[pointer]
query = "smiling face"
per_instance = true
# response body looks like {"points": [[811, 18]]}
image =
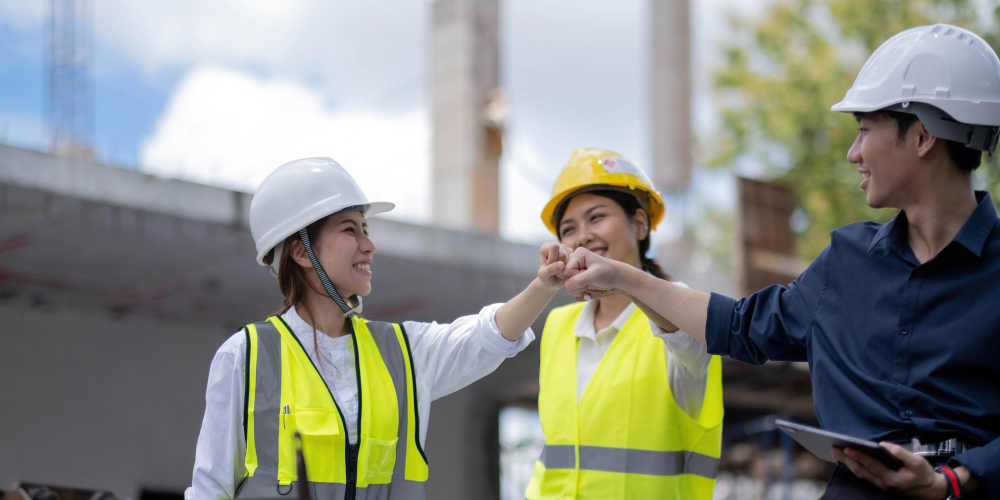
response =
{"points": [[601, 225], [344, 250], [884, 162]]}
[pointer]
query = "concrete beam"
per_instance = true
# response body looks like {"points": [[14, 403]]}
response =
{"points": [[91, 181], [110, 186]]}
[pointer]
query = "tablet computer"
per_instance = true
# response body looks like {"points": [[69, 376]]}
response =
{"points": [[819, 442]]}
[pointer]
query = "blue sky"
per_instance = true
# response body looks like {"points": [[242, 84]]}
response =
{"points": [[222, 92]]}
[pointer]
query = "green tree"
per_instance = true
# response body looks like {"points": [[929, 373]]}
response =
{"points": [[788, 67]]}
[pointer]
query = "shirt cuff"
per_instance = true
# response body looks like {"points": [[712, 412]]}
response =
{"points": [[718, 325], [493, 340], [983, 466]]}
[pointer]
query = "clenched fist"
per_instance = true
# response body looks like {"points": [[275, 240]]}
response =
{"points": [[590, 276], [553, 264]]}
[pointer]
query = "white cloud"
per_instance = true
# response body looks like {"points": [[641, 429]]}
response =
{"points": [[230, 128], [355, 51]]}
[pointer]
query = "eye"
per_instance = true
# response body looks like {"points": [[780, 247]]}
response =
{"points": [[349, 229], [596, 217], [566, 231]]}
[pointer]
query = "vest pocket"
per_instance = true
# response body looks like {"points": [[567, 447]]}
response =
{"points": [[381, 459], [321, 439]]}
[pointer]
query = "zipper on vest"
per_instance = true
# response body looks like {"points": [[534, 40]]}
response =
{"points": [[352, 471], [351, 465], [352, 450]]}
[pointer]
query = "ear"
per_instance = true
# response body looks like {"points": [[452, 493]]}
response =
{"points": [[640, 223], [925, 141], [298, 252]]}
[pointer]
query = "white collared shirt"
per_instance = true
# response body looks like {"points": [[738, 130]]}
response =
{"points": [[446, 358], [687, 359]]}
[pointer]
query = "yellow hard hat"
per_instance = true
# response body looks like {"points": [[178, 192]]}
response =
{"points": [[595, 169]]}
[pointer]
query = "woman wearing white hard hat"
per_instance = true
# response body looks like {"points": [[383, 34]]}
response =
{"points": [[358, 392]]}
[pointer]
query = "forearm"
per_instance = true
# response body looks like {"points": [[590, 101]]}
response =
{"points": [[680, 307], [654, 316], [969, 483], [517, 315]]}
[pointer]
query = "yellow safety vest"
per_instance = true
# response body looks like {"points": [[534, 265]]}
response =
{"points": [[626, 438], [286, 393]]}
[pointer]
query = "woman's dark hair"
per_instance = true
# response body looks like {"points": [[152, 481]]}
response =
{"points": [[292, 279], [630, 204]]}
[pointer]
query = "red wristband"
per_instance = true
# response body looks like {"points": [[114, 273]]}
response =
{"points": [[951, 479]]}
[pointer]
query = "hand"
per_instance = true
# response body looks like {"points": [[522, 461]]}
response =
{"points": [[553, 263], [915, 479], [590, 276]]}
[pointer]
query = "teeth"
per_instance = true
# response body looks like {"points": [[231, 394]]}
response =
{"points": [[363, 267]]}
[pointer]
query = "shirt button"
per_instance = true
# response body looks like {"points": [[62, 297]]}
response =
{"points": [[919, 273], [905, 331], [909, 413]]}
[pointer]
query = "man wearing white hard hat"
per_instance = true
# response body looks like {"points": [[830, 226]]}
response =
{"points": [[899, 321], [353, 395]]}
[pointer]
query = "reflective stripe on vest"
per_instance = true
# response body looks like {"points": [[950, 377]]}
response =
{"points": [[624, 437], [656, 463], [286, 392]]}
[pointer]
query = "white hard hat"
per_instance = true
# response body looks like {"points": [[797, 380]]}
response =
{"points": [[947, 76], [299, 193]]}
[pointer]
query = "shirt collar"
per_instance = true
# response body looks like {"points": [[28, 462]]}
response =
{"points": [[978, 227], [585, 322], [972, 236], [304, 332], [892, 231]]}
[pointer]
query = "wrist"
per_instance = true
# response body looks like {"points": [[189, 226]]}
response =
{"points": [[629, 277], [947, 476], [541, 287], [939, 488]]}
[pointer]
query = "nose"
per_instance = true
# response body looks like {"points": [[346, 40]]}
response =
{"points": [[854, 153], [367, 245]]}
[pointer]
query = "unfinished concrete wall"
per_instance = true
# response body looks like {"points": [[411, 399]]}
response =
{"points": [[94, 401]]}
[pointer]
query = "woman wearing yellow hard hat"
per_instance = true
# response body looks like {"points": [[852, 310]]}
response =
{"points": [[354, 393], [630, 406]]}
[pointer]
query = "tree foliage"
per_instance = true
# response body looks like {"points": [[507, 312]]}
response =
{"points": [[787, 68]]}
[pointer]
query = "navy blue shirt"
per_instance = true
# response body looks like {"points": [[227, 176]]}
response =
{"points": [[896, 349]]}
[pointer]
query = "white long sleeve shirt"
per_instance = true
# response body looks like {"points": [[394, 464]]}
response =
{"points": [[446, 358], [687, 359]]}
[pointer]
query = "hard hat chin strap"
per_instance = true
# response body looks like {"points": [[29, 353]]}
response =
{"points": [[349, 312]]}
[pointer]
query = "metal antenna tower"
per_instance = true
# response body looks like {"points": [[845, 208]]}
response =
{"points": [[69, 103]]}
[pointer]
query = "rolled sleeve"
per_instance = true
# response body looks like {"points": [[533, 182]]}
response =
{"points": [[984, 464], [770, 324], [718, 326], [450, 356], [494, 341]]}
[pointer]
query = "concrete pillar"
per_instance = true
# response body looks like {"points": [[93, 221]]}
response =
{"points": [[467, 114], [671, 94]]}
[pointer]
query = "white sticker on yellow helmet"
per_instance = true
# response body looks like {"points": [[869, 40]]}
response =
{"points": [[620, 166]]}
